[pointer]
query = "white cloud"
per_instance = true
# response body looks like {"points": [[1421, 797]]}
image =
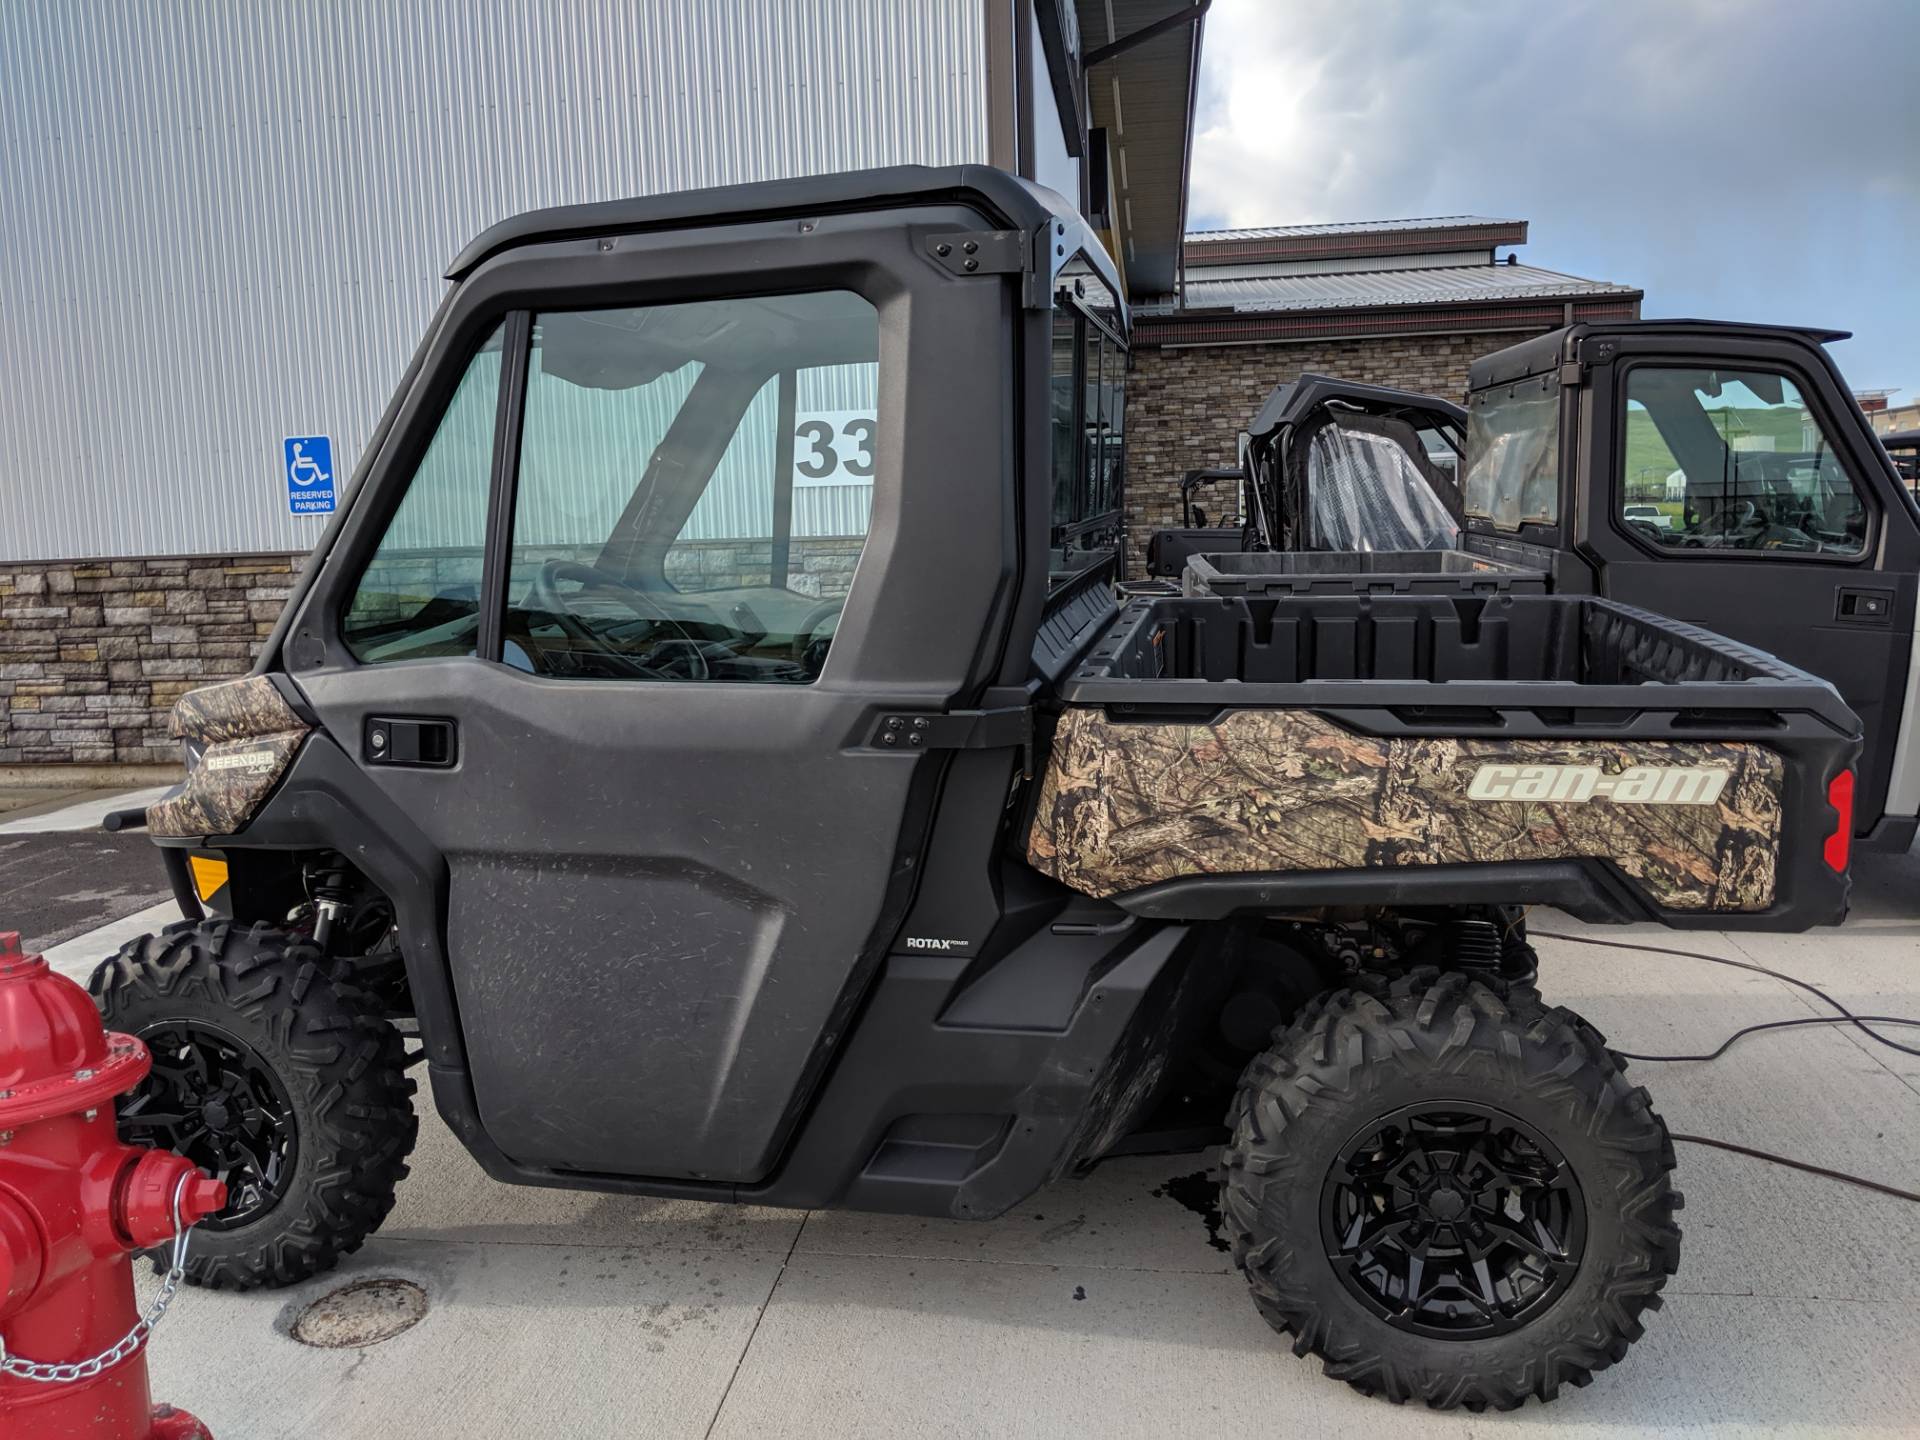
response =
{"points": [[1747, 161]]}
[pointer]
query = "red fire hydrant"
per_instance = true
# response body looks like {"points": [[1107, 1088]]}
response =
{"points": [[74, 1204]]}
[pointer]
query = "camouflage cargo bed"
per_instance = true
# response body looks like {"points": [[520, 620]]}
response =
{"points": [[1374, 749]]}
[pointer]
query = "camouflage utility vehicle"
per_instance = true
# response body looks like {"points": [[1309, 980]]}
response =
{"points": [[711, 738]]}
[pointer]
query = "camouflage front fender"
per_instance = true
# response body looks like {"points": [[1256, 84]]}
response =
{"points": [[249, 734]]}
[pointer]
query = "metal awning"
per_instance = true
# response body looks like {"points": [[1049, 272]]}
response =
{"points": [[1144, 97]]}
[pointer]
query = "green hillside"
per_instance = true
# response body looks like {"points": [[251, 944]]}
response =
{"points": [[1649, 461]]}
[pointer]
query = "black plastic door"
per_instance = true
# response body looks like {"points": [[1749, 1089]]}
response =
{"points": [[667, 877], [1801, 548]]}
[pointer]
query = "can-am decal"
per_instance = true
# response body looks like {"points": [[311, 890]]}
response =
{"points": [[1636, 785]]}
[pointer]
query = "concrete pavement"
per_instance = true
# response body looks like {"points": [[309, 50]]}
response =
{"points": [[1100, 1307]]}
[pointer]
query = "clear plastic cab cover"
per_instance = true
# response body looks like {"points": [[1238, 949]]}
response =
{"points": [[1365, 492]]}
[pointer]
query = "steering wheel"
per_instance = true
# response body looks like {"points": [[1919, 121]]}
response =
{"points": [[544, 592], [812, 621], [1780, 536], [1723, 528]]}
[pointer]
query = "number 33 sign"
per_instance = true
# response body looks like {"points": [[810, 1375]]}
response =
{"points": [[833, 447]]}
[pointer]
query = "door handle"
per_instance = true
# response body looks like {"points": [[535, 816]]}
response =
{"points": [[1864, 606], [414, 740]]}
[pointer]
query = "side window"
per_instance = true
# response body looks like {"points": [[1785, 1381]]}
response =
{"points": [[1733, 460], [1441, 454], [694, 488], [1066, 345], [1087, 396], [419, 596], [1093, 424], [1114, 403]]}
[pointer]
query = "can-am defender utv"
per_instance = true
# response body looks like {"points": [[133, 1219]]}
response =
{"points": [[711, 729]]}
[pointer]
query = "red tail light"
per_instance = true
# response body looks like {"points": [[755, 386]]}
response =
{"points": [[1840, 842]]}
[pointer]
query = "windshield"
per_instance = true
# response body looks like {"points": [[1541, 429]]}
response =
{"points": [[1513, 454]]}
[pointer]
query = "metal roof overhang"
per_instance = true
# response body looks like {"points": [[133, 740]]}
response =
{"points": [[1358, 241], [1144, 96], [1236, 327]]}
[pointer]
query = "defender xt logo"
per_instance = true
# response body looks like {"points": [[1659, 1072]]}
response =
{"points": [[255, 760], [1637, 785]]}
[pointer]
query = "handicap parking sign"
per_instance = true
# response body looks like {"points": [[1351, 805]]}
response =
{"points": [[309, 466]]}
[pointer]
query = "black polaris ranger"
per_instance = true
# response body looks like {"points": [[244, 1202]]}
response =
{"points": [[710, 735]]}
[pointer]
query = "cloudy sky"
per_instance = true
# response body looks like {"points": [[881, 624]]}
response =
{"points": [[1741, 161]]}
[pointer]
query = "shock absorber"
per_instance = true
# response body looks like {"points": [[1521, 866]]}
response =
{"points": [[331, 894], [1473, 945], [1492, 942]]}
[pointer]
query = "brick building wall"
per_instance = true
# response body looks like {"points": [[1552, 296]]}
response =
{"points": [[1186, 407]]}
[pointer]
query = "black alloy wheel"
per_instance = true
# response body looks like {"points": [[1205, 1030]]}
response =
{"points": [[1453, 1219], [212, 1098]]}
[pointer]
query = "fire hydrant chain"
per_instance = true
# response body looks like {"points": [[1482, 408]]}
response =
{"points": [[75, 1370]]}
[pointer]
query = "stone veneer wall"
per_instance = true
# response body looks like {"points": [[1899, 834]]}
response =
{"points": [[93, 654], [1187, 406], [816, 566]]}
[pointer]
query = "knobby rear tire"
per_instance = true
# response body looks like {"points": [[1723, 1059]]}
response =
{"points": [[1355, 1055]]}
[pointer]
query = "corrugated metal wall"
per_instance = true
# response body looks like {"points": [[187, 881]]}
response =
{"points": [[223, 224]]}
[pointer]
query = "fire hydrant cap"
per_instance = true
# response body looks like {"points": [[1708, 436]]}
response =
{"points": [[55, 1058], [144, 1203]]}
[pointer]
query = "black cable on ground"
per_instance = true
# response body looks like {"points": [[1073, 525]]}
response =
{"points": [[1845, 1017], [1773, 1159], [1746, 1030]]}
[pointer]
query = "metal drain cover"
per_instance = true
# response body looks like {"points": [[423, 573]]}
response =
{"points": [[363, 1313]]}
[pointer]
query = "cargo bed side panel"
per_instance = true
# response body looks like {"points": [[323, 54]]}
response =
{"points": [[1125, 805]]}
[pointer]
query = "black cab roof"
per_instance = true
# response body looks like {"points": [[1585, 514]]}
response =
{"points": [[1293, 401], [1545, 352], [1009, 201]]}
